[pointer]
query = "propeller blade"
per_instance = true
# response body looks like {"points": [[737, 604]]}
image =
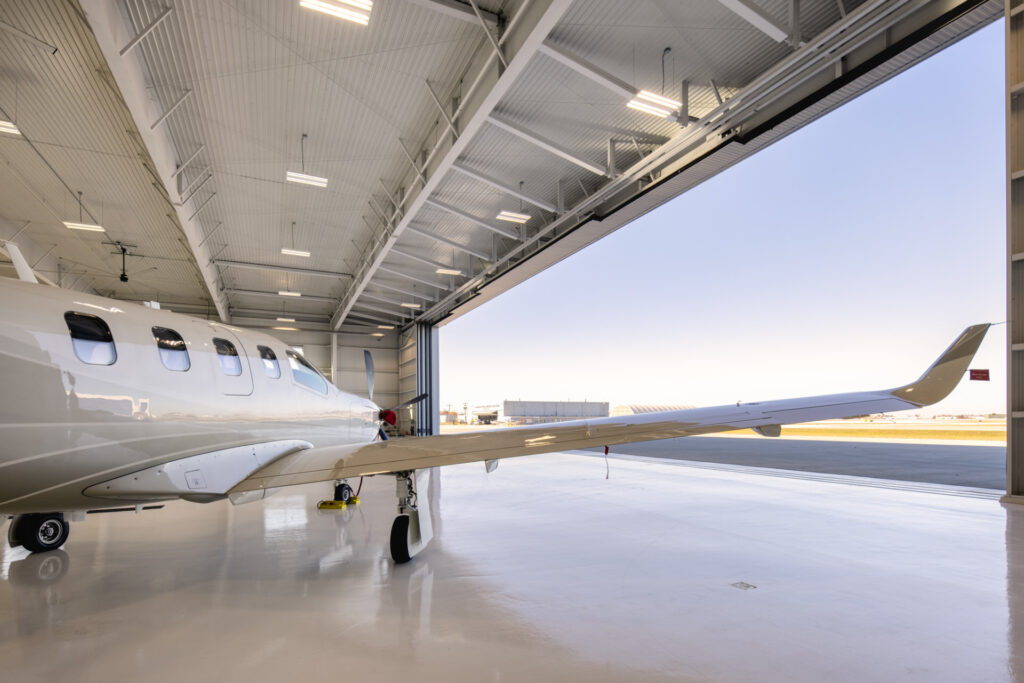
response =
{"points": [[411, 401], [383, 434], [368, 359]]}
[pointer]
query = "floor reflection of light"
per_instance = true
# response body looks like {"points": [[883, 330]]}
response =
{"points": [[283, 513], [10, 555]]}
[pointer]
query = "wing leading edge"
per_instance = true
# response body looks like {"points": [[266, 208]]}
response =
{"points": [[324, 464]]}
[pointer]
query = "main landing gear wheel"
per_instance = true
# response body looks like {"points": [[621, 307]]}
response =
{"points": [[400, 540], [39, 533], [343, 493]]}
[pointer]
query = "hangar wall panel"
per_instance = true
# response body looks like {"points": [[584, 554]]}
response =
{"points": [[1015, 249]]}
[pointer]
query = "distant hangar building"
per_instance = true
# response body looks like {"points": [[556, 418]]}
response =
{"points": [[538, 412]]}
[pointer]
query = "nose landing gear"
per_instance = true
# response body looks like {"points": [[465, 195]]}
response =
{"points": [[38, 532]]}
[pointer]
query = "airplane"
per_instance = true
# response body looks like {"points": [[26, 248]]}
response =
{"points": [[109, 404]]}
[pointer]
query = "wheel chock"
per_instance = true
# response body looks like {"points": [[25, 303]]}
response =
{"points": [[354, 500], [331, 505]]}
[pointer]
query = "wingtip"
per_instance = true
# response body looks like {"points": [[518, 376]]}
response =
{"points": [[944, 374]]}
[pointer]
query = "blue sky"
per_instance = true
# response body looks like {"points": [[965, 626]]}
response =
{"points": [[846, 256]]}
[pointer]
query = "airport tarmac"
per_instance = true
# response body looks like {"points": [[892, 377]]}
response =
{"points": [[978, 464], [542, 570]]}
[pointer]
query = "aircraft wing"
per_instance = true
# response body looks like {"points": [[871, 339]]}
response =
{"points": [[324, 464]]}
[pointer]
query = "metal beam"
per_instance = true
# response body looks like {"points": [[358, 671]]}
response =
{"points": [[14, 30], [383, 299], [545, 144], [108, 26], [529, 27], [407, 292], [457, 10], [370, 316], [304, 297], [191, 194], [202, 205], [398, 273], [414, 257], [171, 110], [490, 36], [188, 161], [284, 269], [498, 185], [440, 108], [145, 32], [504, 232], [264, 313], [758, 18], [585, 68], [451, 243], [401, 315]]}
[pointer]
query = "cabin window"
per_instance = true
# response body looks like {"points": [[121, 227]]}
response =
{"points": [[91, 339], [270, 364], [305, 374], [173, 353], [230, 363]]}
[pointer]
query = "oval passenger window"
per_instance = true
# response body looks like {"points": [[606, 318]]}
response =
{"points": [[173, 353], [230, 363], [269, 360], [91, 338]]}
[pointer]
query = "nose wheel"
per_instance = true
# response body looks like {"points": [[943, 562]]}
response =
{"points": [[39, 533]]}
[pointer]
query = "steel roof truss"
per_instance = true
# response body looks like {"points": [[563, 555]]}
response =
{"points": [[490, 36], [420, 295], [471, 218], [398, 273], [275, 295], [545, 144], [458, 10], [414, 257], [145, 32], [283, 269], [451, 243], [758, 18], [498, 185]]}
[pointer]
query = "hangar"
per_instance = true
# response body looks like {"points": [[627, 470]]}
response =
{"points": [[354, 182]]}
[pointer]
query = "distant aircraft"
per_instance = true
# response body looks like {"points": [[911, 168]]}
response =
{"points": [[108, 404]]}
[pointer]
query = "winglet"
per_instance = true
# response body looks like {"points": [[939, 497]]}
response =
{"points": [[945, 373]]}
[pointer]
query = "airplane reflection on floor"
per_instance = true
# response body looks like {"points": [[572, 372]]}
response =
{"points": [[544, 570]]}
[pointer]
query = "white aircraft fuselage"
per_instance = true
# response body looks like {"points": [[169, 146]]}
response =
{"points": [[67, 426]]}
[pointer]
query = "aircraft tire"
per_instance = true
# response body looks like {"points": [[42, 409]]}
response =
{"points": [[400, 540], [343, 492], [39, 533]]}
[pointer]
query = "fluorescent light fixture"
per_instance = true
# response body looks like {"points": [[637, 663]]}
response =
{"points": [[85, 226], [295, 252], [448, 271], [9, 128], [410, 305], [650, 103], [287, 329], [286, 320], [296, 177], [513, 217], [350, 10], [376, 334], [385, 327], [284, 293]]}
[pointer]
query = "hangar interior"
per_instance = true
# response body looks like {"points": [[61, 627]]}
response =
{"points": [[355, 182]]}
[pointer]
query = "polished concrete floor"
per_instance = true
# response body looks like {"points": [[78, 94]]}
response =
{"points": [[978, 464], [545, 570]]}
